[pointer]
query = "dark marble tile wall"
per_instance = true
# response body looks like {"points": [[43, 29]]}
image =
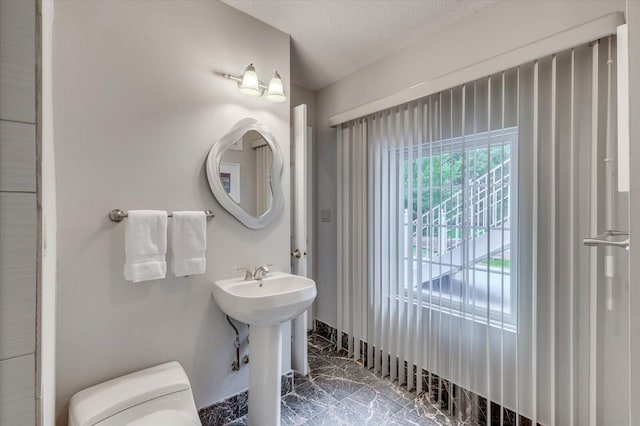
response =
{"points": [[463, 405], [237, 406], [325, 330]]}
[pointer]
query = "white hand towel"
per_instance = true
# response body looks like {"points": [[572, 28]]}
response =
{"points": [[188, 243], [145, 245]]}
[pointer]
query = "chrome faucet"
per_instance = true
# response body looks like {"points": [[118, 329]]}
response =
{"points": [[258, 274], [248, 276], [261, 272]]}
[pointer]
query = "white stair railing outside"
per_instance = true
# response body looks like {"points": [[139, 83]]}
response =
{"points": [[487, 207]]}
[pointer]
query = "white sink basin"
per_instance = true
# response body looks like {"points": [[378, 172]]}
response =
{"points": [[265, 304], [277, 298]]}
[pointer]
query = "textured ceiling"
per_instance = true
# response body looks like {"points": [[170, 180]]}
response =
{"points": [[333, 38]]}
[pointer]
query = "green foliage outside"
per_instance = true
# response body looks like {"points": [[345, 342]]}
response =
{"points": [[442, 175]]}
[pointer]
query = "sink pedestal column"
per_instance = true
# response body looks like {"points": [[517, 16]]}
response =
{"points": [[265, 370], [299, 355]]}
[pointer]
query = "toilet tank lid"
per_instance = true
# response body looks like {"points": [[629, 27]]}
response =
{"points": [[98, 402]]}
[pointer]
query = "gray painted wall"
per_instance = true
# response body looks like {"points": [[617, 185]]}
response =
{"points": [[137, 107]]}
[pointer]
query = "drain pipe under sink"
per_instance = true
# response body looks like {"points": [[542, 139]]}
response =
{"points": [[235, 365]]}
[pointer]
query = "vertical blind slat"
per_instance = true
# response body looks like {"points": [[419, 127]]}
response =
{"points": [[534, 253], [517, 244], [572, 244], [378, 245], [399, 125], [593, 255], [418, 343], [441, 243], [381, 242], [354, 237], [350, 251], [552, 234], [429, 341], [452, 230], [340, 215], [407, 124], [488, 225], [465, 246], [371, 225], [393, 237], [502, 94], [473, 221], [384, 264]]}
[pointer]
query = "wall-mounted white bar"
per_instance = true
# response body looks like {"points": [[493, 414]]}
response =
{"points": [[609, 170], [299, 354], [592, 30], [623, 108], [118, 215]]}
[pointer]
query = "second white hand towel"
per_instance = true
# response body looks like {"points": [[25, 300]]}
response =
{"points": [[188, 243], [145, 245]]}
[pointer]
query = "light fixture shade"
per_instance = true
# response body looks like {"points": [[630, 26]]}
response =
{"points": [[250, 84], [275, 92]]}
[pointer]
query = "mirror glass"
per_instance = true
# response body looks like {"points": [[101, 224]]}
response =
{"points": [[244, 169], [245, 173]]}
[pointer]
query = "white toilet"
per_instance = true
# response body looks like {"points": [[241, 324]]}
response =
{"points": [[157, 396]]}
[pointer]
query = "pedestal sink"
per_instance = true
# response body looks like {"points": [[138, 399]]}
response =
{"points": [[265, 304]]}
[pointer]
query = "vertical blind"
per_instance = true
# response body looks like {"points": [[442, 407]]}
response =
{"points": [[460, 216]]}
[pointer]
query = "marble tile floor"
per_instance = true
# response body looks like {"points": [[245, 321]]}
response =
{"points": [[340, 391]]}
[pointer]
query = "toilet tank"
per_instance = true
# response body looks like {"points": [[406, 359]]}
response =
{"points": [[163, 388]]}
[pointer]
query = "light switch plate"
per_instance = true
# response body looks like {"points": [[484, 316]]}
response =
{"points": [[325, 216]]}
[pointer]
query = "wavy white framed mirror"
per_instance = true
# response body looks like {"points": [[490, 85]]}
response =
{"points": [[244, 169]]}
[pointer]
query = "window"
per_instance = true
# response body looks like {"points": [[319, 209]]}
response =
{"points": [[460, 223]]}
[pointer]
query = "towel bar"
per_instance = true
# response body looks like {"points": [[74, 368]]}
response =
{"points": [[118, 215]]}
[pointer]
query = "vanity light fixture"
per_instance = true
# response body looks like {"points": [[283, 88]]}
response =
{"points": [[275, 91], [249, 84]]}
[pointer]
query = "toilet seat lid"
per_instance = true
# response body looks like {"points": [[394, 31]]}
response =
{"points": [[166, 418]]}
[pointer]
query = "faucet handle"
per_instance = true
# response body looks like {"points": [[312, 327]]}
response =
{"points": [[261, 271], [248, 275]]}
